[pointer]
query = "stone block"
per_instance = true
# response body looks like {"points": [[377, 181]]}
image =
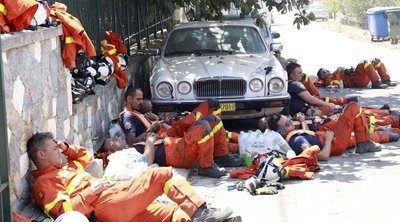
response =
{"points": [[23, 164], [18, 95], [96, 168]]}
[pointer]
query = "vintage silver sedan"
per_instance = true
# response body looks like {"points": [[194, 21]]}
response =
{"points": [[228, 61]]}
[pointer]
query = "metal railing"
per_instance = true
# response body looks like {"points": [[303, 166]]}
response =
{"points": [[126, 17], [354, 22]]}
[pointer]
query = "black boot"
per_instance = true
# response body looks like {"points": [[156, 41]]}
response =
{"points": [[213, 171], [389, 83], [352, 99], [368, 146], [229, 160], [385, 106], [378, 85], [211, 214]]}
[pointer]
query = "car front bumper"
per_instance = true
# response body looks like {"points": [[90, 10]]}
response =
{"points": [[246, 108]]}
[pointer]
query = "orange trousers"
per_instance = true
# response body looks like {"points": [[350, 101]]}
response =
{"points": [[133, 200], [365, 72], [195, 146]]}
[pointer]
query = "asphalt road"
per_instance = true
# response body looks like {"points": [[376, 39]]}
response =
{"points": [[350, 187]]}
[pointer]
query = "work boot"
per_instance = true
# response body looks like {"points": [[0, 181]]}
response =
{"points": [[389, 83], [378, 85], [352, 99], [229, 160], [213, 171], [385, 106], [368, 146], [205, 214]]}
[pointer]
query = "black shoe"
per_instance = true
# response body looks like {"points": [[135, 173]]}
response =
{"points": [[389, 83], [368, 146], [385, 106], [378, 85], [229, 160], [213, 171], [352, 99], [204, 214]]}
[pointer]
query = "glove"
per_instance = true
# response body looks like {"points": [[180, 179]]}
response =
{"points": [[266, 191]]}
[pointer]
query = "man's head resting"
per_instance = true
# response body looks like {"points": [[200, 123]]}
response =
{"points": [[323, 73], [43, 150]]}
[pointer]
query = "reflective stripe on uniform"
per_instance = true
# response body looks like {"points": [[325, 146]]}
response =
{"points": [[112, 51], [228, 136], [287, 169], [79, 165], [86, 157], [177, 214], [205, 138], [371, 124], [198, 115], [52, 12], [216, 128], [335, 82], [167, 185], [306, 78], [366, 63], [3, 9], [378, 65], [66, 205], [69, 40], [119, 65], [74, 182], [327, 99], [359, 113], [216, 112], [48, 220]]}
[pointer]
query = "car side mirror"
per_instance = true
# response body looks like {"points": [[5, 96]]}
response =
{"points": [[275, 35], [276, 46]]}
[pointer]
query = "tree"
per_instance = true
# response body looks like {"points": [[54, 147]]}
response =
{"points": [[213, 9]]}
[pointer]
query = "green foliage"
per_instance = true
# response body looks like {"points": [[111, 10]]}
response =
{"points": [[197, 10]]}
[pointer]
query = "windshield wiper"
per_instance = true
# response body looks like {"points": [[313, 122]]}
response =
{"points": [[201, 51], [178, 53]]}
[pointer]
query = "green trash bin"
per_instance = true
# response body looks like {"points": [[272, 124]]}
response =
{"points": [[393, 16]]}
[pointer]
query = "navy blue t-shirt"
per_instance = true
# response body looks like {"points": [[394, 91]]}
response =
{"points": [[159, 151], [297, 104], [301, 141], [131, 124]]}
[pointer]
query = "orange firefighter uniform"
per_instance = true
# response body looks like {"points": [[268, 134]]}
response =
{"points": [[115, 39], [110, 51], [58, 190], [74, 35], [18, 13], [364, 73], [4, 28]]}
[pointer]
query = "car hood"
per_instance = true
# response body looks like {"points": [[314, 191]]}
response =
{"points": [[211, 66]]}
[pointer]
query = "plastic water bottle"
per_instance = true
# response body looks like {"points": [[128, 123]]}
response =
{"points": [[341, 87]]}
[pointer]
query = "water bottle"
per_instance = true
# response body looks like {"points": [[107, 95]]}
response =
{"points": [[341, 87]]}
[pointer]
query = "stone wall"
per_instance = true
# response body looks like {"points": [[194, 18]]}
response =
{"points": [[38, 98]]}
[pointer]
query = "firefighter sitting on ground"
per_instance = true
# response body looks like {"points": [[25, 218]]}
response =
{"points": [[373, 71], [60, 188]]}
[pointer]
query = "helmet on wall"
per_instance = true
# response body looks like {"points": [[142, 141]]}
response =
{"points": [[122, 61], [40, 16], [270, 170]]}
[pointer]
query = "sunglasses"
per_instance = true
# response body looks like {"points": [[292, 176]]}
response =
{"points": [[288, 120]]}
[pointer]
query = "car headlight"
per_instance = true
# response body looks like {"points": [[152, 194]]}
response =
{"points": [[276, 85], [184, 88], [164, 89], [256, 85]]}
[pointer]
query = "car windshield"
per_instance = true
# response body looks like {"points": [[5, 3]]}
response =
{"points": [[214, 39]]}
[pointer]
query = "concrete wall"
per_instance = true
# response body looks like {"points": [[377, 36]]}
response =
{"points": [[38, 98]]}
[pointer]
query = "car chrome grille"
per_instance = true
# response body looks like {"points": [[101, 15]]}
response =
{"points": [[219, 88]]}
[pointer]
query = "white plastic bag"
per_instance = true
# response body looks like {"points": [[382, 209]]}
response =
{"points": [[256, 142], [125, 165]]}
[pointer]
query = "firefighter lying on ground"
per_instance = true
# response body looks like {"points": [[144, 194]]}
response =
{"points": [[335, 136], [202, 127], [60, 188], [373, 71]]}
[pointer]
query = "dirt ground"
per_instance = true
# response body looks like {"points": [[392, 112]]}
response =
{"points": [[355, 33]]}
